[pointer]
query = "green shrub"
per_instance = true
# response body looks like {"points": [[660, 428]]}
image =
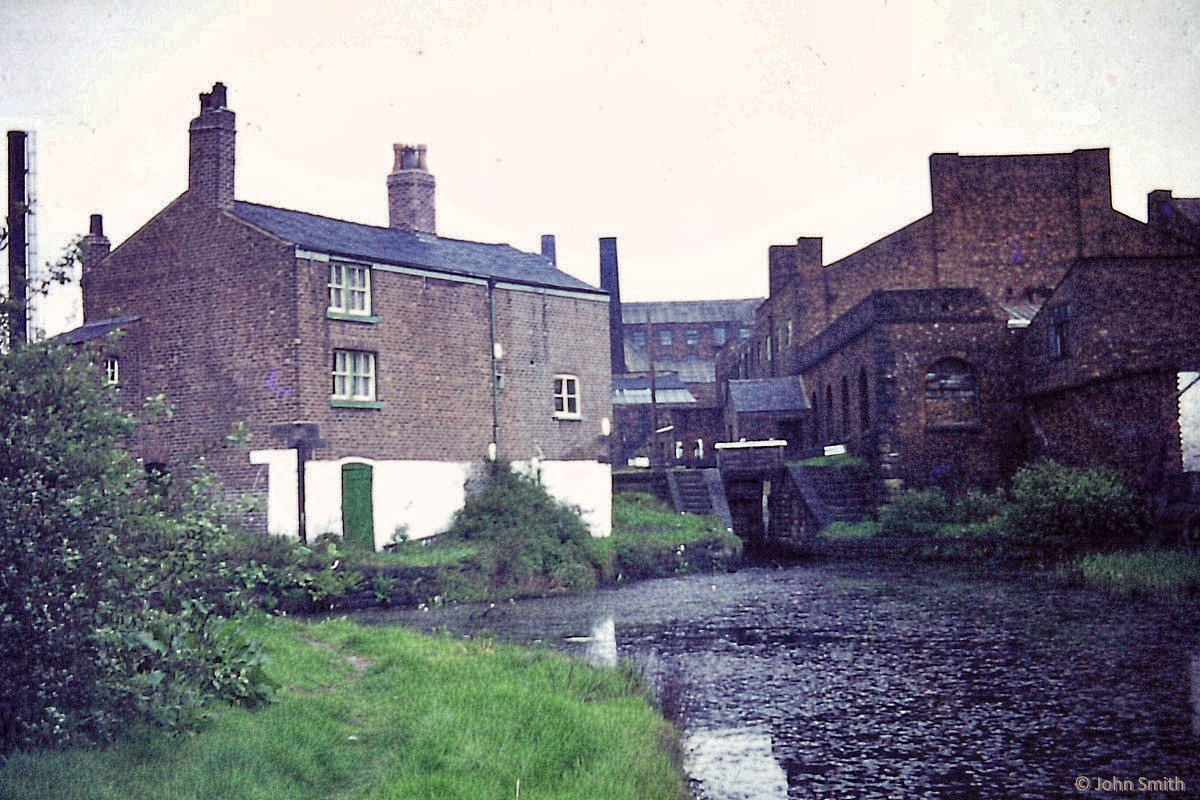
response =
{"points": [[528, 537], [976, 507], [914, 513], [1066, 508]]}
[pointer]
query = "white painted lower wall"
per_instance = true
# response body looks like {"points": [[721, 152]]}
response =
{"points": [[587, 484], [416, 497], [1189, 419]]}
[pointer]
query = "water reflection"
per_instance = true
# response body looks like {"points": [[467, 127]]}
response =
{"points": [[734, 764], [601, 649], [855, 684], [1196, 695]]}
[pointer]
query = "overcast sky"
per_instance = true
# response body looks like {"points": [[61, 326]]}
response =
{"points": [[698, 133]]}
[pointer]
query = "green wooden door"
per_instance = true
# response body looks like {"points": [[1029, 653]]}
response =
{"points": [[358, 506]]}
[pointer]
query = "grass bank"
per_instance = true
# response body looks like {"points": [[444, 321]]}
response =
{"points": [[1148, 571], [1160, 573], [388, 713], [522, 555], [649, 540]]}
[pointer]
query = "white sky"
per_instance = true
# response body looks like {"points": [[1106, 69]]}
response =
{"points": [[698, 133]]}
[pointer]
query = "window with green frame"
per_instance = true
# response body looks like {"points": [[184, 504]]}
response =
{"points": [[353, 375], [349, 288]]}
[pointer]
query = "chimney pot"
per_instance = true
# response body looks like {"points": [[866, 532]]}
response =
{"points": [[211, 151], [411, 191]]}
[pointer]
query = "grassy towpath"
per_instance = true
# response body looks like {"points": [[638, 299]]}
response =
{"points": [[373, 712]]}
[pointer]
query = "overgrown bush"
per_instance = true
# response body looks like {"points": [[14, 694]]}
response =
{"points": [[1066, 508], [914, 513], [280, 573], [103, 618], [529, 539], [977, 507]]}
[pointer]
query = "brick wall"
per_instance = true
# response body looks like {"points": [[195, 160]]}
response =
{"points": [[216, 336], [433, 367], [1122, 316], [1128, 423], [1110, 393]]}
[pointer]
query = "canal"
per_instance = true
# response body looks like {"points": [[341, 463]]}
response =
{"points": [[841, 682]]}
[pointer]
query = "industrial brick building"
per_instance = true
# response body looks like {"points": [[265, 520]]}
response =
{"points": [[667, 404], [1022, 317], [388, 363]]}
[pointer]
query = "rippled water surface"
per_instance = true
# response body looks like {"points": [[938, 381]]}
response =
{"points": [[827, 682]]}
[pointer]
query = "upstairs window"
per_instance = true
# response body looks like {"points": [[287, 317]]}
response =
{"points": [[112, 371], [566, 397], [665, 337], [349, 288], [744, 333], [720, 335], [692, 336], [353, 375], [951, 395], [1060, 340], [638, 339]]}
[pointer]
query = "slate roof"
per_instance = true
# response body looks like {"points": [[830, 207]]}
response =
{"points": [[696, 370], [768, 394], [684, 311], [93, 330], [1020, 314], [409, 249], [662, 380], [1188, 207], [632, 389]]}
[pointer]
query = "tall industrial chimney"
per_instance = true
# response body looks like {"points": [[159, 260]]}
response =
{"points": [[18, 233], [610, 282]]}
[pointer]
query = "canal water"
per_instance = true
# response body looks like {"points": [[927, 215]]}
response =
{"points": [[841, 682]]}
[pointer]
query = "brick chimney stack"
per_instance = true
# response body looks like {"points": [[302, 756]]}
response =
{"points": [[211, 156], [93, 249], [410, 191]]}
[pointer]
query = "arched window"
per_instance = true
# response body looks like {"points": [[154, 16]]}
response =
{"points": [[816, 420], [951, 395], [864, 409], [830, 420], [845, 407]]}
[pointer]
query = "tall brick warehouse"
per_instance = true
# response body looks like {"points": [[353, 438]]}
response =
{"points": [[1022, 317], [389, 362]]}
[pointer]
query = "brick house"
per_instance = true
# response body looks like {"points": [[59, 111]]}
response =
{"points": [[927, 354], [397, 360]]}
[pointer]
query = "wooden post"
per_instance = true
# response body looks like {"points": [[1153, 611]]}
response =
{"points": [[304, 438]]}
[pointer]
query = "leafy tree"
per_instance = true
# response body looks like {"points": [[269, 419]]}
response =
{"points": [[104, 614]]}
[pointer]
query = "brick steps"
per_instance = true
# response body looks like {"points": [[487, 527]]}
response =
{"points": [[835, 494], [699, 491]]}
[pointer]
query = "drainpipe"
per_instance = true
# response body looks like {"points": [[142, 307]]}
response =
{"points": [[496, 353]]}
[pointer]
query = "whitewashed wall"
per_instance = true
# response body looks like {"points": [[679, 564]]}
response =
{"points": [[420, 496], [1189, 420]]}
